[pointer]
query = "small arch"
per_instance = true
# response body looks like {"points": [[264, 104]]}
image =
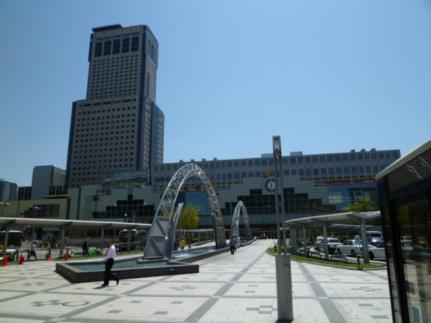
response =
{"points": [[234, 228], [162, 233]]}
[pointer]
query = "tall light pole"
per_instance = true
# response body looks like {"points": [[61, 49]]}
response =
{"points": [[282, 261], [125, 217], [278, 174]]}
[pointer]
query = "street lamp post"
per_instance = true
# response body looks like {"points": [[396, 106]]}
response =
{"points": [[282, 261], [278, 174], [125, 217]]}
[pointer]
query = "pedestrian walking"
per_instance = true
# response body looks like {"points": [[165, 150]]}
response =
{"points": [[85, 248], [109, 262], [232, 248]]}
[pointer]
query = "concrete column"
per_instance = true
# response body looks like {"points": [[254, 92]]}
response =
{"points": [[292, 237], [102, 237], [304, 234], [364, 242], [6, 239], [129, 238], [32, 238], [63, 232], [325, 239], [284, 288]]}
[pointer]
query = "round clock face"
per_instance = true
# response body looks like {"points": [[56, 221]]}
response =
{"points": [[270, 185]]}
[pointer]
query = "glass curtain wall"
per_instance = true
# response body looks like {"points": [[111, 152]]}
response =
{"points": [[405, 201]]}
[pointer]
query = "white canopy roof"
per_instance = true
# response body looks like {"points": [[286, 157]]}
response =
{"points": [[344, 217], [73, 223]]}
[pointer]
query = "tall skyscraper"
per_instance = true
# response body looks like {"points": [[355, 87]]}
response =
{"points": [[118, 127]]}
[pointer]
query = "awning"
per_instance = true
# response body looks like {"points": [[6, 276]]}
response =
{"points": [[38, 222], [339, 218]]}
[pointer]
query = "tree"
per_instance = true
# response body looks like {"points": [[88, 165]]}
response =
{"points": [[189, 218], [361, 206]]}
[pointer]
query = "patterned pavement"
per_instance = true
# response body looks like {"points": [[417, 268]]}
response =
{"points": [[238, 288]]}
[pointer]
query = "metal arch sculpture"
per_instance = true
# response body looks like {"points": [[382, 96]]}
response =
{"points": [[161, 239], [234, 228]]}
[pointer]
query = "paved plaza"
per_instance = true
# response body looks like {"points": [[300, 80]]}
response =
{"points": [[238, 288]]}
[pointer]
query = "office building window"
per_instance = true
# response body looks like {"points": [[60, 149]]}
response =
{"points": [[126, 45], [98, 50], [107, 48], [117, 44], [135, 44]]}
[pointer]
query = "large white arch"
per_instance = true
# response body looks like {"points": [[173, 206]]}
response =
{"points": [[162, 234], [234, 228]]}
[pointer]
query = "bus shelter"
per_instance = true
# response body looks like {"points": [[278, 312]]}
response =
{"points": [[9, 224], [361, 219]]}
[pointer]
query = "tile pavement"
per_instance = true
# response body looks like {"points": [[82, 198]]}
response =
{"points": [[238, 288]]}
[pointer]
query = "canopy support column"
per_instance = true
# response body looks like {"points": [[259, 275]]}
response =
{"points": [[102, 237], [304, 234], [364, 242], [325, 239], [63, 233], [129, 238], [6, 240]]}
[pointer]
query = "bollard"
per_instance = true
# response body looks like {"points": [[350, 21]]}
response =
{"points": [[284, 288], [359, 262]]}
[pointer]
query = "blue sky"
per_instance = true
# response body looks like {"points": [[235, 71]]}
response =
{"points": [[328, 76]]}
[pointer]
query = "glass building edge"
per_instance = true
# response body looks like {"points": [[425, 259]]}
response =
{"points": [[405, 200]]}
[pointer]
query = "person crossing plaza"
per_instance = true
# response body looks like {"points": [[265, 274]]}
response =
{"points": [[109, 262]]}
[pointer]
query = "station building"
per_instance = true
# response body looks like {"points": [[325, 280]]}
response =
{"points": [[313, 184]]}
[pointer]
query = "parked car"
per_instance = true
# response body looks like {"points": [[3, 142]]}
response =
{"points": [[354, 248], [374, 237], [332, 244]]}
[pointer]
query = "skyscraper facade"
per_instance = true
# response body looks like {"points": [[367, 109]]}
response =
{"points": [[118, 127]]}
